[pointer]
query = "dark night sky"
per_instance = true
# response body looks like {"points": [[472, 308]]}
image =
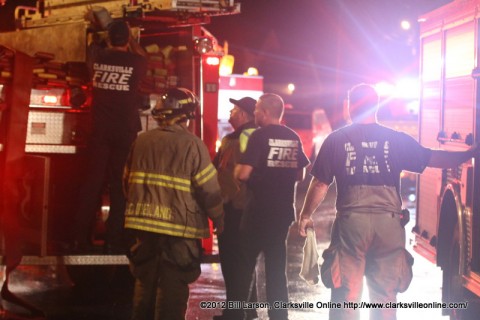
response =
{"points": [[323, 46]]}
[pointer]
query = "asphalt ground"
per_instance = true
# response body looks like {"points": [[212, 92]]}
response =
{"points": [[104, 292]]}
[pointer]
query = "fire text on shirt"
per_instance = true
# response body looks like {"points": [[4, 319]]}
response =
{"points": [[282, 153], [111, 77]]}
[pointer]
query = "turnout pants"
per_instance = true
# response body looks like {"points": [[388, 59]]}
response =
{"points": [[370, 245], [163, 267]]}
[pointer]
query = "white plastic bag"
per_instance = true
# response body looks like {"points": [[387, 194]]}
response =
{"points": [[310, 270]]}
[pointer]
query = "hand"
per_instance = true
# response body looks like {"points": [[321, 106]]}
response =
{"points": [[89, 16], [303, 224], [99, 17], [218, 225]]}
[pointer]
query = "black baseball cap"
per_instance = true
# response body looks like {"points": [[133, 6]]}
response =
{"points": [[118, 33], [247, 104]]}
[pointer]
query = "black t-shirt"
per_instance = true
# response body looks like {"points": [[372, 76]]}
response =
{"points": [[276, 154], [368, 155], [116, 79]]}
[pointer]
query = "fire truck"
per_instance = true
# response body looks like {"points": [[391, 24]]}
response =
{"points": [[312, 125], [45, 106], [447, 225], [235, 86]]}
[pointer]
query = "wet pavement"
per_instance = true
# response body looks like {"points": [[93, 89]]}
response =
{"points": [[104, 292]]}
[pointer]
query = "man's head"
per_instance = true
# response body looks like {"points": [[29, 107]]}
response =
{"points": [[269, 109], [175, 106], [118, 33], [242, 112], [363, 103]]}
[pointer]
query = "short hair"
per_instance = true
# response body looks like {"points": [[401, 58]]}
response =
{"points": [[274, 103], [362, 101], [118, 33]]}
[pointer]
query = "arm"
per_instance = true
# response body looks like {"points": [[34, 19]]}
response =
{"points": [[207, 189], [242, 172], [301, 174], [450, 159], [135, 47], [315, 195], [209, 196]]}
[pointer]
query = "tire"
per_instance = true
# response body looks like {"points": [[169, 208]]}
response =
{"points": [[453, 290]]}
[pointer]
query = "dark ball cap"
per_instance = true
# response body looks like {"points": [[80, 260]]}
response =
{"points": [[118, 33], [247, 104]]}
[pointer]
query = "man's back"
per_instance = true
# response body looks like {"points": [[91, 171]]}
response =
{"points": [[276, 154], [116, 79], [172, 185], [366, 161], [229, 154]]}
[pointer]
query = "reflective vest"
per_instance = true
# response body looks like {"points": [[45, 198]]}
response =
{"points": [[243, 140], [233, 145], [171, 184]]}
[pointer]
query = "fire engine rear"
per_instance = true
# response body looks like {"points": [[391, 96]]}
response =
{"points": [[447, 225], [45, 106]]}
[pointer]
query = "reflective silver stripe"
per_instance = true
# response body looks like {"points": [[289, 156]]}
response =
{"points": [[165, 228], [205, 175], [160, 180]]}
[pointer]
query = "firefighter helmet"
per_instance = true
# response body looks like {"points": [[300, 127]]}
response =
{"points": [[175, 103]]}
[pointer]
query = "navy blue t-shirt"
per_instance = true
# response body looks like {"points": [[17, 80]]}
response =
{"points": [[276, 154], [368, 155], [116, 80]]}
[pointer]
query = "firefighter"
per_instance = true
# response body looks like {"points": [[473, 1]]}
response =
{"points": [[172, 189], [271, 166], [116, 75], [233, 145], [368, 237]]}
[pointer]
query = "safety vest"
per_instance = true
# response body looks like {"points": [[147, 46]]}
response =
{"points": [[233, 145], [171, 184], [244, 136]]}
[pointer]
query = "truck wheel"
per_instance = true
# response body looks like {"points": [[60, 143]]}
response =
{"points": [[453, 290]]}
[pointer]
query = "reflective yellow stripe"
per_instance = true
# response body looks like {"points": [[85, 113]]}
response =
{"points": [[161, 184], [165, 228], [160, 180], [160, 176], [244, 136], [185, 101], [205, 175]]}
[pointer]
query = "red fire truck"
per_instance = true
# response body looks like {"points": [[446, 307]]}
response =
{"points": [[44, 105], [235, 86], [447, 225], [312, 126]]}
